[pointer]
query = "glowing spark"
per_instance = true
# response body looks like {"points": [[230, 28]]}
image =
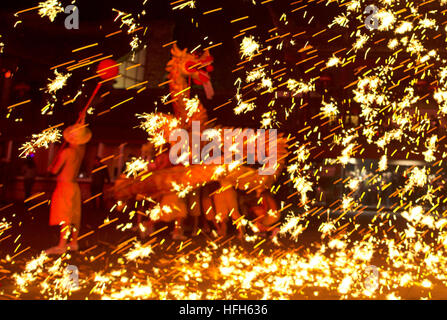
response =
{"points": [[249, 47], [50, 9], [139, 252], [192, 106], [135, 166], [58, 83], [40, 140], [244, 107], [190, 3]]}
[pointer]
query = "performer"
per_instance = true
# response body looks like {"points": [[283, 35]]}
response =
{"points": [[226, 204], [177, 211], [264, 210], [161, 161], [66, 200], [208, 205], [194, 210]]}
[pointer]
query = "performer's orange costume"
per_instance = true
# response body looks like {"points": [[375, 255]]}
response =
{"points": [[66, 200]]}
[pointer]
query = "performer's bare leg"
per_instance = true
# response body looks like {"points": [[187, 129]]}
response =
{"points": [[194, 209], [208, 210], [179, 213], [208, 215], [65, 233], [73, 245], [226, 204], [221, 213], [230, 196], [271, 217]]}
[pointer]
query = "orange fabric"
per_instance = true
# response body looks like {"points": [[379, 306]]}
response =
{"points": [[177, 205], [267, 204], [66, 204], [66, 199]]}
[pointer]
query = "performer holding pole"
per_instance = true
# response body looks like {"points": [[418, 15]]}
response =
{"points": [[66, 200], [65, 208]]}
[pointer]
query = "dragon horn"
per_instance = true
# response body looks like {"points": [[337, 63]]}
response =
{"points": [[175, 51], [205, 54]]}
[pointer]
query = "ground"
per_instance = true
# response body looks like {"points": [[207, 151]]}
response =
{"points": [[117, 264]]}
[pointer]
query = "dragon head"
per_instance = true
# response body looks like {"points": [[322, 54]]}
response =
{"points": [[191, 66]]}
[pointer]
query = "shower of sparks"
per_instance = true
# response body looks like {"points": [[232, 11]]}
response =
{"points": [[244, 107], [156, 126], [235, 274], [299, 87], [135, 43], [40, 140], [397, 71], [50, 9], [190, 3], [192, 106], [135, 166], [139, 252], [249, 47], [132, 25], [333, 62], [4, 225], [329, 109], [58, 82], [181, 190], [126, 20]]}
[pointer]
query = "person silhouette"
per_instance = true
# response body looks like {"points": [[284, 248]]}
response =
{"points": [[65, 208]]}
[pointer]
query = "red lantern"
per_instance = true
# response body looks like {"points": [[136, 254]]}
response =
{"points": [[108, 69]]}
